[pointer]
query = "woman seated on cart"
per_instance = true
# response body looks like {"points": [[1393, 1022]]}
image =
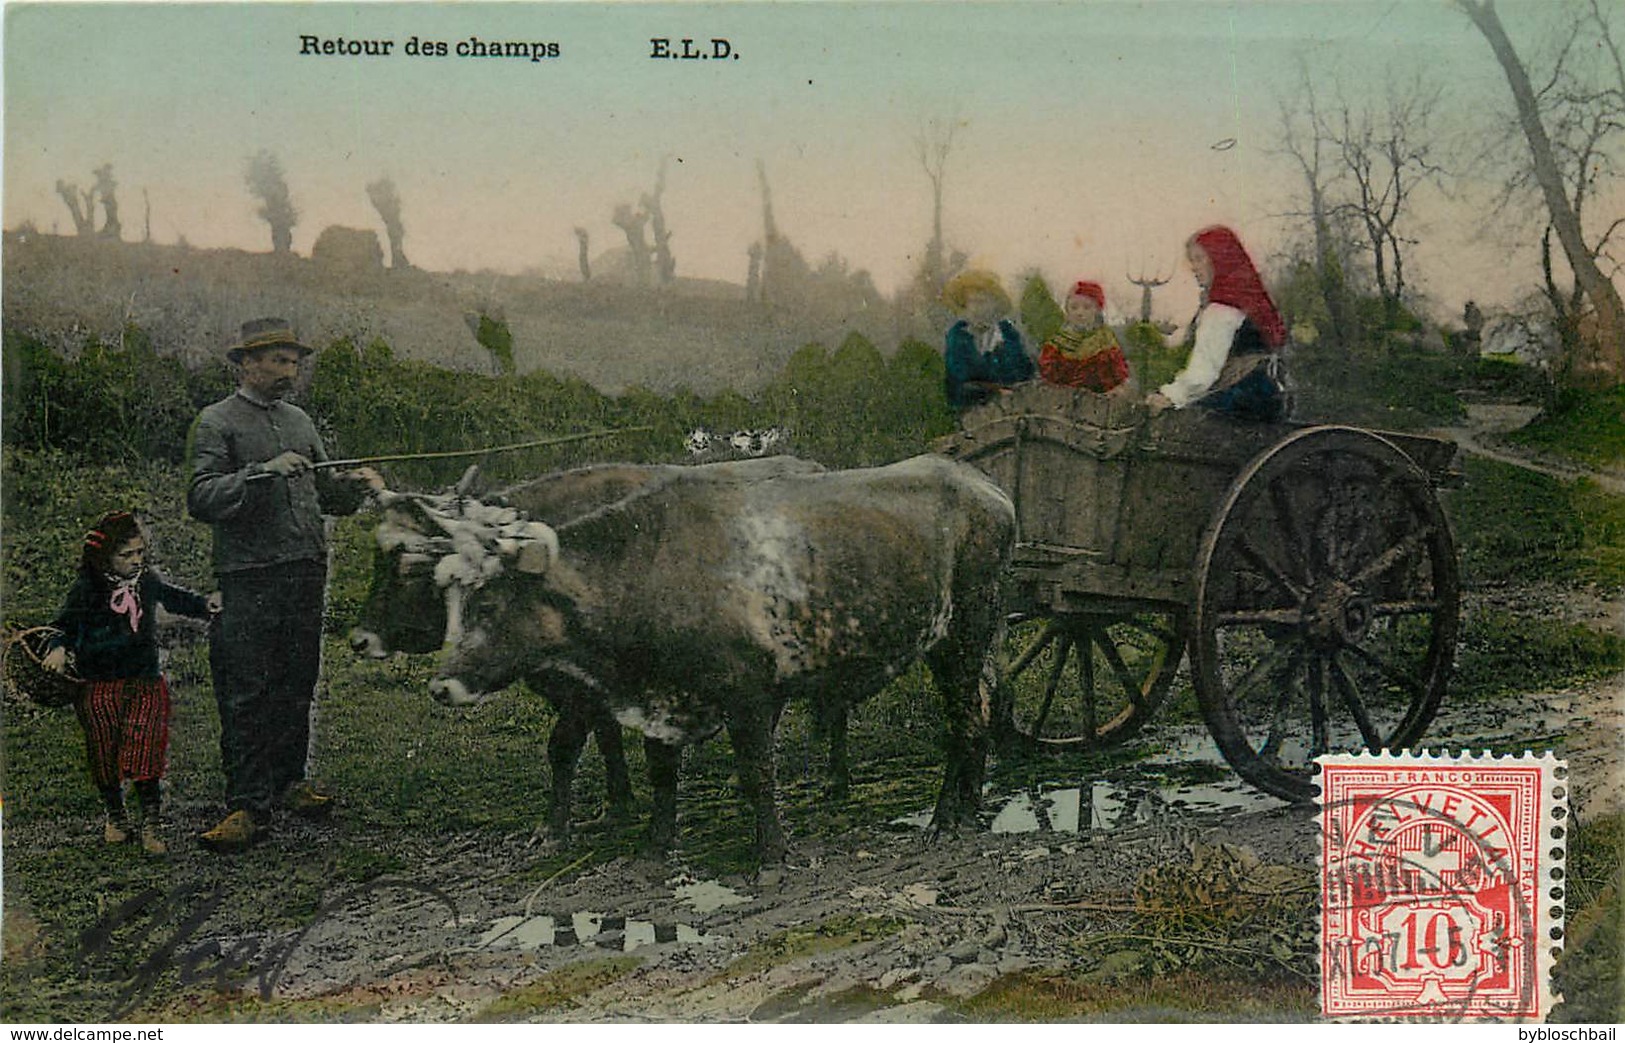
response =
{"points": [[1235, 361], [985, 353], [1084, 352]]}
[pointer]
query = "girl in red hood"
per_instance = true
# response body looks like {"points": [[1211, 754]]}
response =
{"points": [[108, 634], [1234, 365], [1084, 353]]}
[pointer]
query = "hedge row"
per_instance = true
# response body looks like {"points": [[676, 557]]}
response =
{"points": [[125, 402]]}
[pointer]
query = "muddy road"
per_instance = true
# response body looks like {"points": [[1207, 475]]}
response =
{"points": [[880, 924]]}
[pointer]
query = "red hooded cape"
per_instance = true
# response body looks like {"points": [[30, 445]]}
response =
{"points": [[1236, 283]]}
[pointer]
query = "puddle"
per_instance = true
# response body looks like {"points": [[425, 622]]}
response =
{"points": [[706, 896], [1140, 794], [585, 928], [1133, 799], [611, 932]]}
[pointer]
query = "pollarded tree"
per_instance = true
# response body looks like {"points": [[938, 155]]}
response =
{"points": [[107, 188], [81, 204], [387, 201], [665, 265], [267, 184]]}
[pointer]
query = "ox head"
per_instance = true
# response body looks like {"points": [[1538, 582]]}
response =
{"points": [[430, 551], [405, 609], [502, 616]]}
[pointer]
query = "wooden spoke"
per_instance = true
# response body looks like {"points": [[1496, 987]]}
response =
{"points": [[1410, 682], [1054, 683], [1351, 700], [1260, 616], [1131, 686], [1086, 681], [1392, 556], [1271, 749], [1404, 608], [1050, 633], [1317, 706], [1294, 543], [1270, 569], [1260, 671]]}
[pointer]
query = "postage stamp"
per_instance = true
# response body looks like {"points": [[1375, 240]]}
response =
{"points": [[1441, 885]]}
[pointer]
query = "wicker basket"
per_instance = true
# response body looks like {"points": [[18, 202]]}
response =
{"points": [[23, 671]]}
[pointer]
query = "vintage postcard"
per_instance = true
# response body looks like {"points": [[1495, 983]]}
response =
{"points": [[862, 512]]}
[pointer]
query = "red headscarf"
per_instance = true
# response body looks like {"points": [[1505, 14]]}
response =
{"points": [[1091, 290], [1236, 282]]}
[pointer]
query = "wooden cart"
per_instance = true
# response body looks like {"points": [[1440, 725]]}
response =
{"points": [[1308, 570]]}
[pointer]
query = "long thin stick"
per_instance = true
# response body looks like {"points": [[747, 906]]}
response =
{"points": [[448, 454]]}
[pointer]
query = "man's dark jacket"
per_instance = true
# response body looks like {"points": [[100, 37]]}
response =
{"points": [[271, 520]]}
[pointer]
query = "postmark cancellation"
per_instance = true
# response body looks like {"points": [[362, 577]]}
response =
{"points": [[1441, 883]]}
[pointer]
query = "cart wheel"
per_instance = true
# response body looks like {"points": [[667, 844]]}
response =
{"points": [[1081, 680], [1326, 606]]}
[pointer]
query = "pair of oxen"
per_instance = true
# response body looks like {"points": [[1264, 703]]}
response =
{"points": [[682, 601]]}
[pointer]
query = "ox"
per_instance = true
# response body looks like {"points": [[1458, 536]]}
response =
{"points": [[687, 608], [405, 610]]}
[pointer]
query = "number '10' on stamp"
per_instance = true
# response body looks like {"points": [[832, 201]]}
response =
{"points": [[1441, 885]]}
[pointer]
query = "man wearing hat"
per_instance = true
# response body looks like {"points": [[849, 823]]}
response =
{"points": [[253, 480]]}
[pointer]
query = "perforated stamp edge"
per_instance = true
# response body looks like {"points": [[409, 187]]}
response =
{"points": [[1541, 892]]}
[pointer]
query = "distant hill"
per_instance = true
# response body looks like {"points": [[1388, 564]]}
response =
{"points": [[699, 334]]}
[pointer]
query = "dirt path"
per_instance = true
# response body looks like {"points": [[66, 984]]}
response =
{"points": [[1487, 421], [882, 924]]}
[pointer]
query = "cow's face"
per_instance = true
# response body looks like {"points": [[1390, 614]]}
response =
{"points": [[506, 623], [405, 610]]}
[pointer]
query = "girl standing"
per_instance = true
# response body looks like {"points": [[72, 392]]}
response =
{"points": [[110, 630]]}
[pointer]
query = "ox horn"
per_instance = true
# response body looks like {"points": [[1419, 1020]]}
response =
{"points": [[536, 550]]}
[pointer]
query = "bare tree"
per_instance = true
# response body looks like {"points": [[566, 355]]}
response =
{"points": [[1307, 139], [1146, 286], [933, 144], [582, 257], [266, 183], [107, 188], [146, 207], [1608, 363], [1388, 154], [82, 205], [753, 275], [387, 201], [665, 264], [632, 223], [784, 272], [1583, 107]]}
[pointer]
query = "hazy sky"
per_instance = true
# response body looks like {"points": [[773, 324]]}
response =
{"points": [[1095, 137]]}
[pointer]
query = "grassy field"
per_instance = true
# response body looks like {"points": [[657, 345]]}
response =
{"points": [[1586, 427]]}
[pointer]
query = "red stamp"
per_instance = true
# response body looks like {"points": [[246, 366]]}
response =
{"points": [[1441, 886]]}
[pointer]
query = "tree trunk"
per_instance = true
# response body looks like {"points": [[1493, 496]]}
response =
{"points": [[84, 214], [582, 259], [1331, 282], [1610, 365]]}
